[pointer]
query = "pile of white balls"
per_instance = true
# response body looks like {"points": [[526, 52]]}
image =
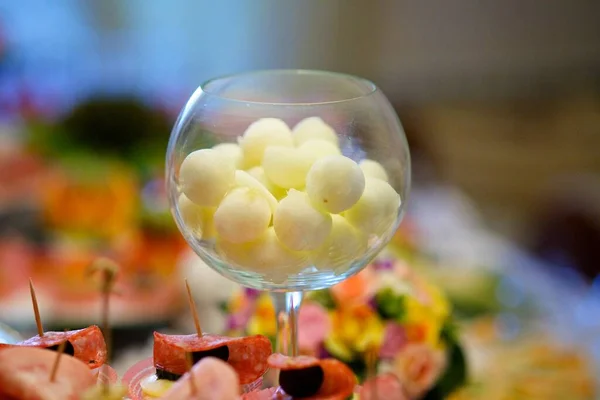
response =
{"points": [[283, 198]]}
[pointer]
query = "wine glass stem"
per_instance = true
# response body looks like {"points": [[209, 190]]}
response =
{"points": [[287, 305]]}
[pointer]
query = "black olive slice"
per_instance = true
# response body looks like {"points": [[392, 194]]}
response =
{"points": [[69, 349], [303, 382], [162, 374], [222, 353]]}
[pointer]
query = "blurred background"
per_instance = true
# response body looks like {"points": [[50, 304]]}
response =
{"points": [[500, 102]]}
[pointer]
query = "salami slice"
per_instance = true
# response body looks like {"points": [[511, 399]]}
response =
{"points": [[266, 394], [285, 363], [247, 355], [313, 379], [25, 375], [86, 344], [385, 386]]}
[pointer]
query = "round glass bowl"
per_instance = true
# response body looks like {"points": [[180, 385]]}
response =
{"points": [[288, 180]]}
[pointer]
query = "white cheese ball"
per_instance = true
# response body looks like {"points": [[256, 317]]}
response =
{"points": [[266, 255], [198, 219], [244, 179], [372, 169], [317, 149], [191, 214], [209, 232], [298, 225], [342, 246], [286, 166], [314, 128], [261, 134], [377, 208], [243, 215], [258, 173], [205, 176], [335, 183], [233, 151]]}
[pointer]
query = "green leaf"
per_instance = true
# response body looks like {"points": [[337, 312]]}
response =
{"points": [[114, 125], [359, 368], [389, 304], [455, 374], [159, 223], [449, 332], [224, 307], [324, 298], [273, 341], [434, 394]]}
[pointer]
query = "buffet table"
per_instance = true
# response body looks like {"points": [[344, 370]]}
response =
{"points": [[502, 296]]}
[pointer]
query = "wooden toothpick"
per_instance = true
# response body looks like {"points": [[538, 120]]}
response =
{"points": [[60, 351], [193, 309], [36, 309], [109, 270], [371, 360], [190, 364], [292, 328]]}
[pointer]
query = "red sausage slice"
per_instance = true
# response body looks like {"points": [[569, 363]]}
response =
{"points": [[25, 375], [338, 383], [88, 344], [266, 394], [247, 355], [285, 363], [338, 379]]}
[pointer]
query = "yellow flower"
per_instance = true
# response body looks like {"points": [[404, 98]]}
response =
{"points": [[237, 302], [338, 348], [234, 333], [423, 323], [354, 330], [263, 320], [429, 309], [439, 304], [264, 307]]}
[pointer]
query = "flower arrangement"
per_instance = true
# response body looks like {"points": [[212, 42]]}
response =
{"points": [[386, 308]]}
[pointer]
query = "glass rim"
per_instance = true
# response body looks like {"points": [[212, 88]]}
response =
{"points": [[372, 88]]}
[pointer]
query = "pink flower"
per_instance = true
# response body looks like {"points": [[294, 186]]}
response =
{"points": [[405, 273], [313, 326], [418, 367], [385, 386], [240, 318], [394, 339], [403, 270]]}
